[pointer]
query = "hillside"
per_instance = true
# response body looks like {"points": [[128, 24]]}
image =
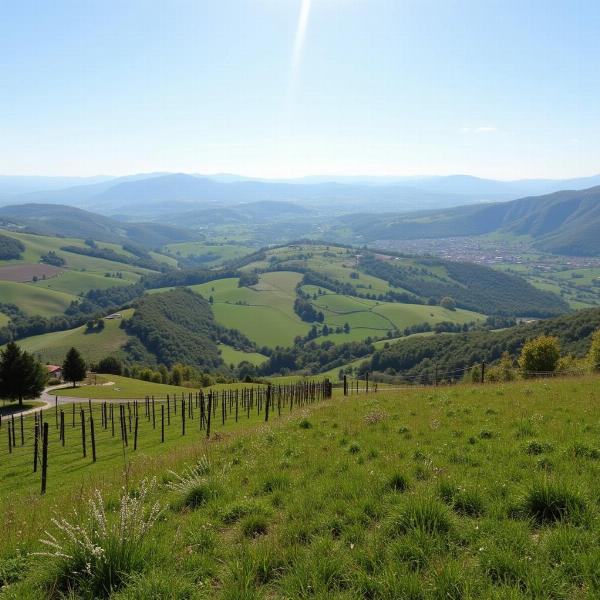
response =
{"points": [[410, 279], [417, 357], [67, 221], [178, 326], [463, 492], [566, 222]]}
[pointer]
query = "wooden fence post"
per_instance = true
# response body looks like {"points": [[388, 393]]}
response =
{"points": [[35, 444], [93, 439], [83, 433], [44, 458]]}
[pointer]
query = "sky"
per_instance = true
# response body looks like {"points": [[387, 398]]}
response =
{"points": [[284, 88]]}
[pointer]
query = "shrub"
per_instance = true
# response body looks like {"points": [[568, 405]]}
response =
{"points": [[540, 355], [548, 502], [94, 558], [305, 424], [534, 448], [421, 514], [594, 353], [12, 569], [354, 448]]}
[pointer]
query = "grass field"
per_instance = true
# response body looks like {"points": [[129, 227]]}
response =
{"points": [[215, 254], [371, 318], [125, 387], [80, 282], [265, 312], [466, 492], [52, 347], [82, 273], [33, 300], [231, 356]]}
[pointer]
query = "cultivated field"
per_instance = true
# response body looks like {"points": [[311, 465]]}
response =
{"points": [[26, 272], [463, 492]]}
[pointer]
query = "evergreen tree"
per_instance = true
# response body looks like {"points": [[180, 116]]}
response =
{"points": [[73, 368], [21, 375]]}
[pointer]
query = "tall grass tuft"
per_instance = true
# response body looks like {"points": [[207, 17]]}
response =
{"points": [[548, 502], [192, 484], [421, 514], [94, 558]]}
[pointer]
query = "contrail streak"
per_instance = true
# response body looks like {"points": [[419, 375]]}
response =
{"points": [[301, 33]]}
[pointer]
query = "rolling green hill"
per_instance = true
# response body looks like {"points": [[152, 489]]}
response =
{"points": [[33, 300], [265, 312], [52, 347], [415, 357], [68, 221]]}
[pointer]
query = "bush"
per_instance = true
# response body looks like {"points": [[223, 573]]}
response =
{"points": [[448, 303], [548, 502], [540, 355], [594, 353]]}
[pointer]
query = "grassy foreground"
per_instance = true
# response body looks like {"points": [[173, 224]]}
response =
{"points": [[464, 492]]}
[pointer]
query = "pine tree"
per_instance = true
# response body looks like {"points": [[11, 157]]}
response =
{"points": [[73, 368], [21, 375]]}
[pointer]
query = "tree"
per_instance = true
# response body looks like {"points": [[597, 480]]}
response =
{"points": [[110, 365], [21, 375], [540, 355], [448, 303], [73, 367], [594, 353]]}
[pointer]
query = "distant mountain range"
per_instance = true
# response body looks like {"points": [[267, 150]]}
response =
{"points": [[146, 196], [565, 222], [67, 221]]}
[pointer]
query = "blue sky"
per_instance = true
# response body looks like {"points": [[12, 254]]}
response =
{"points": [[501, 89]]}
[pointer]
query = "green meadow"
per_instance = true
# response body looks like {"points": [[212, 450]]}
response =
{"points": [[462, 492], [52, 347], [115, 387], [265, 312], [33, 300]]}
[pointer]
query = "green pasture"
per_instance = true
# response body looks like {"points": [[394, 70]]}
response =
{"points": [[52, 347], [222, 252], [80, 282], [34, 300], [232, 356], [115, 387], [265, 312], [461, 492]]}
